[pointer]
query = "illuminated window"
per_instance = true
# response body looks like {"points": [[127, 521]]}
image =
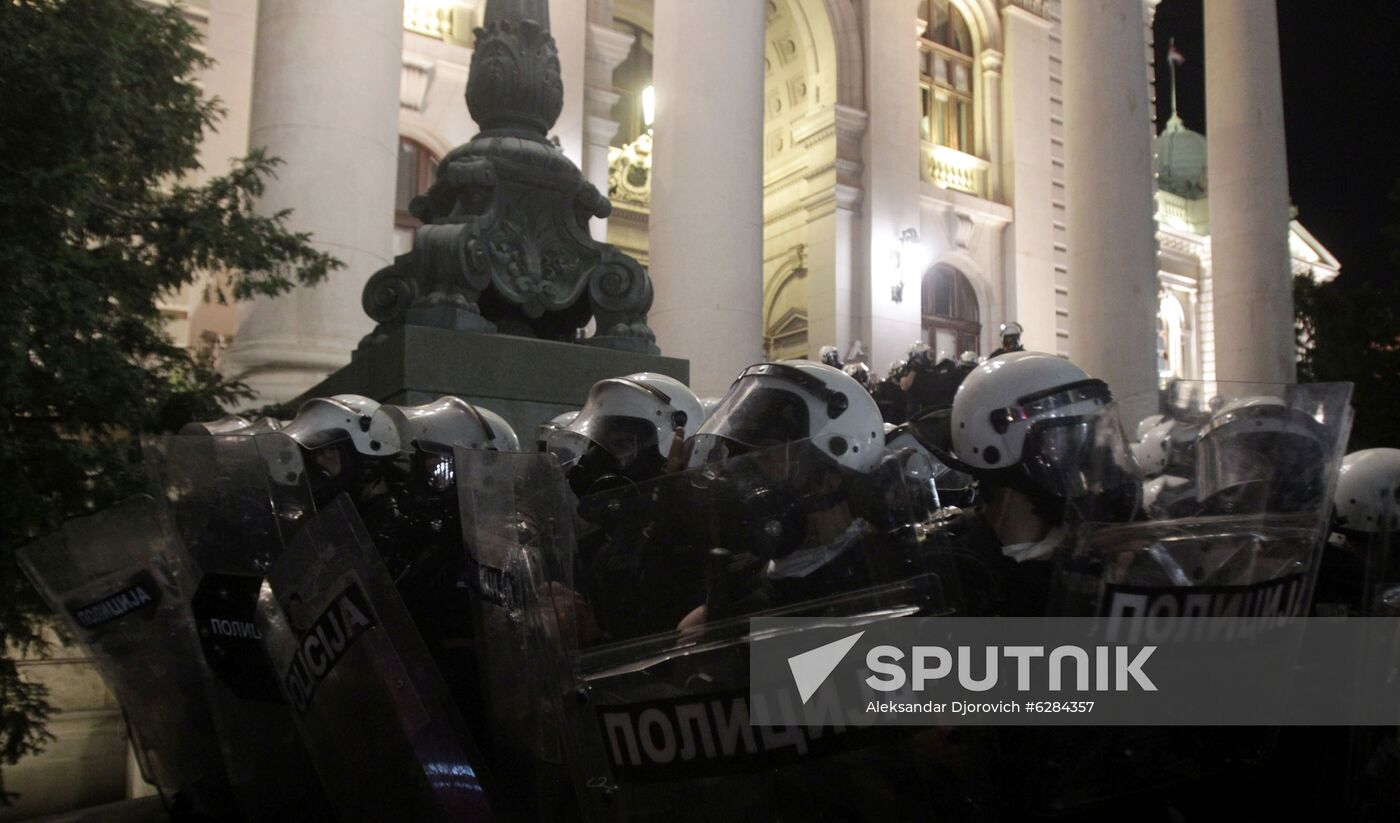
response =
{"points": [[417, 166], [952, 323], [945, 77], [1172, 342]]}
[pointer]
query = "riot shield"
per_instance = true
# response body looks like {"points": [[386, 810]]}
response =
{"points": [[517, 526], [232, 498], [1241, 538], [668, 575], [117, 582], [370, 705], [1246, 526]]}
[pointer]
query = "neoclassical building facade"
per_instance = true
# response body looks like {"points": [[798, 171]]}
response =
{"points": [[796, 173]]}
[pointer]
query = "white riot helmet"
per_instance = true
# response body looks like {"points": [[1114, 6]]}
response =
{"points": [[1163, 497], [266, 425], [999, 401], [1011, 329], [555, 423], [1154, 446], [860, 373], [1367, 488], [438, 426], [322, 421], [229, 424], [968, 358], [776, 403], [1260, 453], [1037, 423], [831, 356], [1147, 424], [632, 419]]}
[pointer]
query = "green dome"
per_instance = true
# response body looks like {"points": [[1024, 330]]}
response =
{"points": [[1179, 160]]}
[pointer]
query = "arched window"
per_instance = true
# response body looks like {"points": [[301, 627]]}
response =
{"points": [[417, 166], [945, 76], [952, 323]]}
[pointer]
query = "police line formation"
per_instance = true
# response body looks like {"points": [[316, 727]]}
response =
{"points": [[375, 611]]}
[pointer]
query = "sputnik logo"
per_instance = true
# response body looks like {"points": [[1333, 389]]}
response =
{"points": [[811, 668]]}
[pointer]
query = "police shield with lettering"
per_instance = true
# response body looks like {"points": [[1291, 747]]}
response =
{"points": [[117, 580], [233, 499], [1237, 486], [660, 714], [370, 704]]}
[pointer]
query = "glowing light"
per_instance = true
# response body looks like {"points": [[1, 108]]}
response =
{"points": [[648, 105]]}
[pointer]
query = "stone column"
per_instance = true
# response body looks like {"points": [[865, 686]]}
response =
{"points": [[833, 305], [568, 24], [893, 157], [1028, 287], [325, 100], [1108, 159], [707, 188], [607, 48], [1248, 175], [991, 121]]}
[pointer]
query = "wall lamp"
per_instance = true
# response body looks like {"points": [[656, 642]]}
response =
{"points": [[909, 254]]}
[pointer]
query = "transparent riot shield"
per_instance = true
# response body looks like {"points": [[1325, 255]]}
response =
{"points": [[233, 499], [667, 577], [1240, 537], [117, 582], [1246, 524], [370, 705], [517, 526]]}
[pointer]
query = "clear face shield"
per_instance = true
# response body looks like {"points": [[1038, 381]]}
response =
{"points": [[1267, 459], [606, 450], [1085, 460], [752, 417]]}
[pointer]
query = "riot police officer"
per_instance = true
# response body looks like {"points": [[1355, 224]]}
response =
{"points": [[1010, 339], [629, 433], [889, 393], [627, 430], [1360, 572], [346, 449], [860, 373], [1019, 425], [798, 451]]}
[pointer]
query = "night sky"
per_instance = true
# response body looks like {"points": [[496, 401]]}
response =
{"points": [[1341, 104]]}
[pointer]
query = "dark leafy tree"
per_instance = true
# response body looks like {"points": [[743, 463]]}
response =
{"points": [[1349, 329], [98, 220]]}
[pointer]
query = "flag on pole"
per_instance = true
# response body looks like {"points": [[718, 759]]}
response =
{"points": [[1173, 55]]}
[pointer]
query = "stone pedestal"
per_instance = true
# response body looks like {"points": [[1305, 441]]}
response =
{"points": [[524, 380]]}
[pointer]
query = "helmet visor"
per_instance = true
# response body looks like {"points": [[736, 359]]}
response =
{"points": [[625, 438], [1085, 459], [1049, 403], [753, 416]]}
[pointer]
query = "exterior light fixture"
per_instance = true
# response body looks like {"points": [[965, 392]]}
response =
{"points": [[648, 106], [909, 254]]}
